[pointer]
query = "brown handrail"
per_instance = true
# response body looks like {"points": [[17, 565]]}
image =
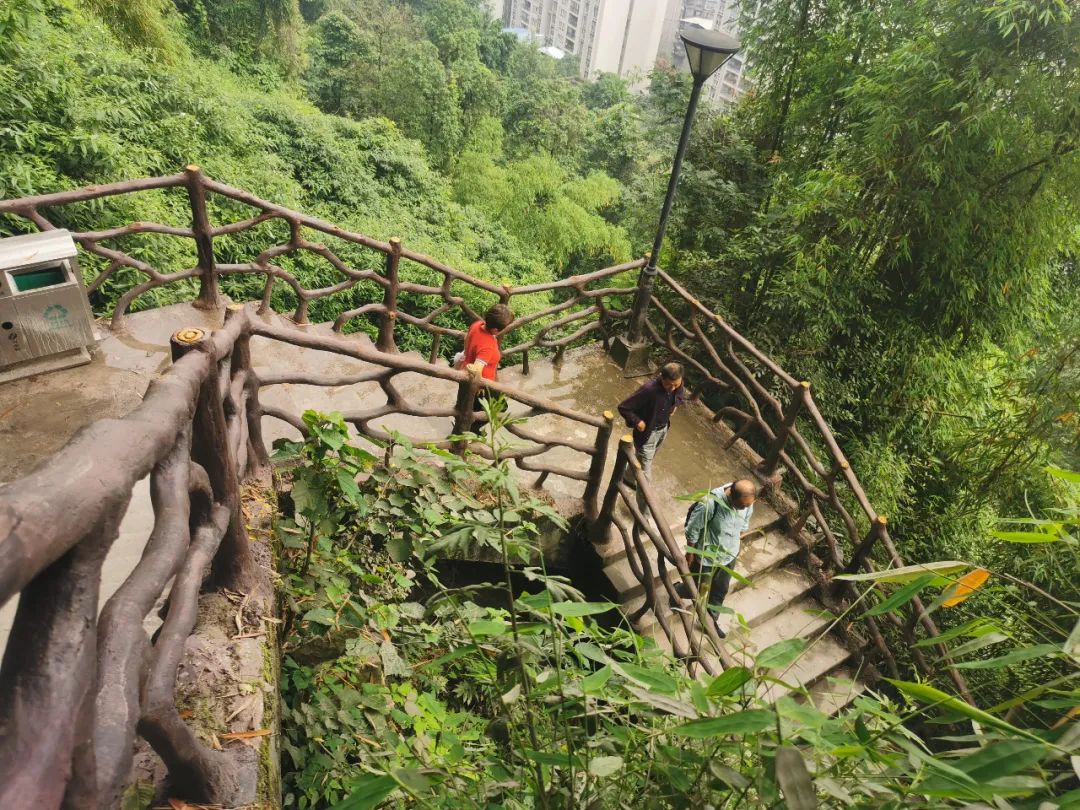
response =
{"points": [[783, 446], [197, 434]]}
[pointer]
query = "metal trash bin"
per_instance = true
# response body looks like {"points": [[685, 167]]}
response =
{"points": [[45, 319]]}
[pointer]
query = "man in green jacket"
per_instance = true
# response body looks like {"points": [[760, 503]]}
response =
{"points": [[714, 529]]}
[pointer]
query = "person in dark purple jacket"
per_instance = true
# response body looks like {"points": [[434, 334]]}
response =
{"points": [[649, 410]]}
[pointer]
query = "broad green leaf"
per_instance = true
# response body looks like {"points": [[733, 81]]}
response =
{"points": [[605, 766], [581, 608], [368, 792], [321, 616], [1014, 657], [728, 681], [486, 627], [795, 779], [928, 694], [749, 721], [901, 597], [660, 681], [1028, 537], [781, 654], [399, 548], [944, 573], [348, 485], [392, 663], [594, 682], [412, 779]]}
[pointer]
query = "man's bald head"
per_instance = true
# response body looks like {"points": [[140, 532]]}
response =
{"points": [[743, 493]]}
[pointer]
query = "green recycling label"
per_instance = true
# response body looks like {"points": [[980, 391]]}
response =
{"points": [[56, 317]]}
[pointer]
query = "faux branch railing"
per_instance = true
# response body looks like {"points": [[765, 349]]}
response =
{"points": [[526, 452], [589, 303], [824, 503], [75, 687], [827, 509], [695, 638]]}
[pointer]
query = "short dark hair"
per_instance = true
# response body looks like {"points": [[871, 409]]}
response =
{"points": [[671, 371], [498, 318]]}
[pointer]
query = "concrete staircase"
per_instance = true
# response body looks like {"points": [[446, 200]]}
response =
{"points": [[776, 606]]}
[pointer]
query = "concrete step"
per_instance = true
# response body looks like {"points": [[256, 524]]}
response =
{"points": [[649, 627], [823, 656], [804, 618], [758, 556], [836, 691], [770, 594]]}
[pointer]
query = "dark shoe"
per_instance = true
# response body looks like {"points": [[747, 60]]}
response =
{"points": [[719, 630]]}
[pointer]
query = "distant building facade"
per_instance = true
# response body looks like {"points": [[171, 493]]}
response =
{"points": [[731, 80], [607, 36]]}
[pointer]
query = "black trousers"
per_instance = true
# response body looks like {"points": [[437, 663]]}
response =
{"points": [[718, 588]]}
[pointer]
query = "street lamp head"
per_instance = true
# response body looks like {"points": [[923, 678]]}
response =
{"points": [[707, 51]]}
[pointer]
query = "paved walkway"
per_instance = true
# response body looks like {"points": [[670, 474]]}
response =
{"points": [[38, 415]]}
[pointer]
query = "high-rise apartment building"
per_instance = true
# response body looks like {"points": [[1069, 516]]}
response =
{"points": [[715, 15], [607, 36]]}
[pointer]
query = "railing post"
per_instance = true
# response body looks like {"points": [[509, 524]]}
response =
{"points": [[798, 400], [862, 551], [601, 527], [258, 459], [233, 566], [596, 466], [463, 410], [209, 295], [386, 342]]}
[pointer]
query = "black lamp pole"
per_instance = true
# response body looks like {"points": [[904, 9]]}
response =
{"points": [[707, 51]]}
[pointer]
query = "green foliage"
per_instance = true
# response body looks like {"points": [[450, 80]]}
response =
{"points": [[489, 696]]}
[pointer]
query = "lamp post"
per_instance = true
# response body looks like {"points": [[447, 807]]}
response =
{"points": [[706, 51]]}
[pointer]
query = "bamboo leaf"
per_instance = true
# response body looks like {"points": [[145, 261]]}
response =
{"points": [[944, 573], [966, 586], [1027, 537], [749, 721], [781, 654], [794, 779], [369, 791], [728, 681], [595, 681], [1071, 476], [660, 681], [1014, 657], [925, 693], [605, 766], [901, 597], [663, 703], [567, 609]]}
